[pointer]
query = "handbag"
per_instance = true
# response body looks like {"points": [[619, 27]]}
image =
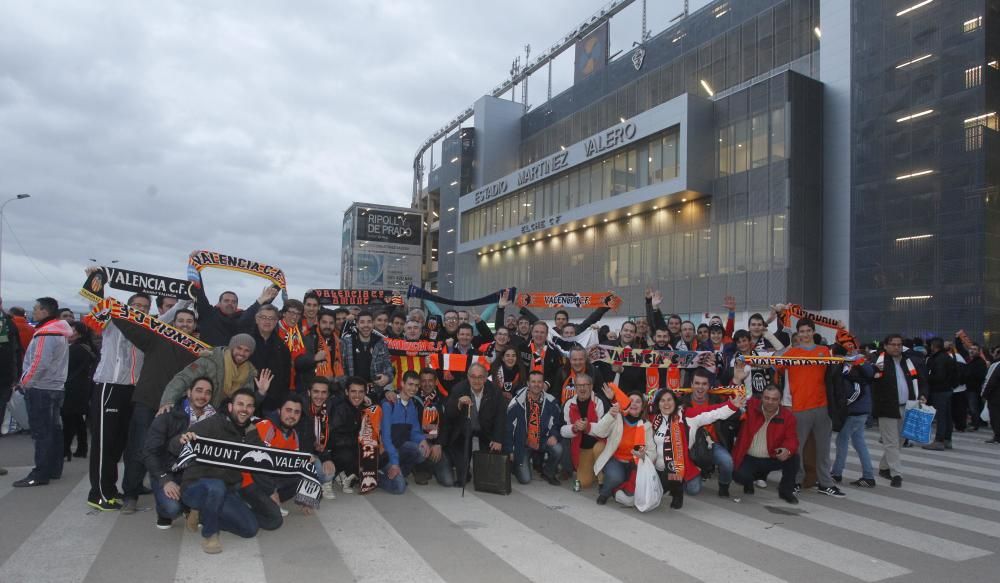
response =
{"points": [[701, 451], [648, 488], [917, 423], [491, 472]]}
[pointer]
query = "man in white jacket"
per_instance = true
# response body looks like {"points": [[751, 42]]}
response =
{"points": [[46, 365]]}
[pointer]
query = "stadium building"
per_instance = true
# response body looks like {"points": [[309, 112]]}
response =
{"points": [[831, 153]]}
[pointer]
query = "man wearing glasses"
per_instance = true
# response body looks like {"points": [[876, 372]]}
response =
{"points": [[271, 352], [898, 381]]}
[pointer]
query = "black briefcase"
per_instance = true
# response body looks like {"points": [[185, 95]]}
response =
{"points": [[491, 472]]}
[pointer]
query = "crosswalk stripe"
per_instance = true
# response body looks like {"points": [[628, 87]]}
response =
{"points": [[910, 471], [908, 453], [364, 539], [846, 561], [941, 516], [919, 541], [937, 462], [941, 493], [701, 562], [71, 537], [243, 554], [531, 554]]}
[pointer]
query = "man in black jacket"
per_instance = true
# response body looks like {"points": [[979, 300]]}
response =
{"points": [[163, 359], [942, 377], [212, 492], [218, 323], [975, 376], [270, 352], [542, 356], [314, 430], [898, 380], [344, 428], [159, 459], [482, 406]]}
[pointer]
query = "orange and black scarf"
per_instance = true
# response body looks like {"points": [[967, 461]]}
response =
{"points": [[200, 260], [537, 357], [534, 414], [673, 445], [321, 424], [292, 337], [569, 387], [101, 315]]}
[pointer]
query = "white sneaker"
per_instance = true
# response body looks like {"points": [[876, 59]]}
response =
{"points": [[328, 491], [283, 511], [624, 499], [347, 482], [760, 483]]}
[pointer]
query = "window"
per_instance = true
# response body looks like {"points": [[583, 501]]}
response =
{"points": [[973, 76], [974, 127], [726, 151], [758, 141], [778, 134], [778, 255], [655, 171], [742, 149], [632, 165], [608, 168], [972, 24], [620, 183], [760, 236], [596, 182]]}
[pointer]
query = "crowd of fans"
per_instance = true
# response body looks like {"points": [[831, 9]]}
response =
{"points": [[307, 378]]}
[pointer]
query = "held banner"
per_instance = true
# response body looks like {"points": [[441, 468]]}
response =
{"points": [[568, 300], [200, 260], [358, 297], [134, 282], [652, 358], [112, 308]]}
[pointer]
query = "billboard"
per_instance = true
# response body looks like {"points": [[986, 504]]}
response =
{"points": [[384, 226], [591, 53]]}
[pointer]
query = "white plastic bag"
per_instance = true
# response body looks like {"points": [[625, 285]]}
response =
{"points": [[17, 410], [648, 489], [985, 415]]}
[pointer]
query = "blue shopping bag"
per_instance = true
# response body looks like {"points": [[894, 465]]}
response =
{"points": [[917, 424]]}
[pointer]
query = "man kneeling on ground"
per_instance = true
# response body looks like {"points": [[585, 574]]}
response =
{"points": [[767, 442]]}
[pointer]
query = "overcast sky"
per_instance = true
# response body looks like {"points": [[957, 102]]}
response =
{"points": [[146, 130]]}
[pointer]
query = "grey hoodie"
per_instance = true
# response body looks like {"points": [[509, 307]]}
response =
{"points": [[46, 361]]}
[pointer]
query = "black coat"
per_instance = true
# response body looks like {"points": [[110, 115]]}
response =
{"points": [[307, 433], [942, 372], [885, 395], [492, 418], [79, 384], [345, 424], [156, 452], [218, 426], [214, 327], [273, 354]]}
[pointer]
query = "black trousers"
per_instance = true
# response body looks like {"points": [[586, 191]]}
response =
{"points": [[110, 414], [346, 460], [994, 409], [757, 467], [74, 425], [258, 496]]}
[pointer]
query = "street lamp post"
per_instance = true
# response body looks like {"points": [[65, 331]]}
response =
{"points": [[5, 203]]}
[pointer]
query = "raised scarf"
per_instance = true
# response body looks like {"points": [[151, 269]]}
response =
{"points": [[358, 297], [419, 292], [673, 452], [255, 458], [135, 282], [534, 415], [568, 299], [235, 375], [200, 260], [108, 308], [321, 424], [651, 357], [368, 447], [762, 360]]}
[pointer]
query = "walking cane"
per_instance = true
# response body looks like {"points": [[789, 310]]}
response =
{"points": [[468, 448]]}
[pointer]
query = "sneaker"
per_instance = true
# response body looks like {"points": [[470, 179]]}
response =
{"points": [[748, 489], [105, 505], [552, 480], [897, 482], [790, 498], [192, 520], [624, 499], [906, 443], [347, 483], [163, 523], [576, 485], [837, 479], [677, 502], [723, 490], [602, 500], [30, 482], [211, 544], [3, 471], [831, 491], [760, 483], [864, 483], [947, 444], [885, 474], [129, 506], [936, 446], [328, 491], [797, 489], [282, 510]]}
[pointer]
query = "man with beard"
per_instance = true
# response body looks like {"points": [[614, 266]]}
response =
{"points": [[212, 492], [431, 417], [218, 323], [321, 357], [262, 492], [314, 433], [344, 428], [159, 459], [229, 369], [631, 379], [163, 360], [366, 356]]}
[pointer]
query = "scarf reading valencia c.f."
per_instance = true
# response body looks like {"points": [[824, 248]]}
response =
{"points": [[568, 300], [358, 297], [368, 447], [764, 360], [419, 292], [135, 282], [651, 357], [200, 260], [534, 415], [255, 458], [109, 308]]}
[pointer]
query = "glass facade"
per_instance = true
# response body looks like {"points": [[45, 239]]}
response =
{"points": [[925, 253]]}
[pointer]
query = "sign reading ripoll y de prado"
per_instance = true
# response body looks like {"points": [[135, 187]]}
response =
{"points": [[389, 227]]}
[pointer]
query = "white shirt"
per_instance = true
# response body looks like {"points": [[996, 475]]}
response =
{"points": [[901, 386]]}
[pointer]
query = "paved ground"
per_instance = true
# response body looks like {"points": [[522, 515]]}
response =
{"points": [[943, 525]]}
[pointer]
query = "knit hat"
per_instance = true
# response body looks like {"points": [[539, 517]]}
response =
{"points": [[243, 340]]}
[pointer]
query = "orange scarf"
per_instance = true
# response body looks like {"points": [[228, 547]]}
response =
{"points": [[292, 337], [537, 358], [534, 422], [569, 387], [673, 457]]}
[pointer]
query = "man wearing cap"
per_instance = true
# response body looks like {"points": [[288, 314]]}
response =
{"points": [[229, 369]]}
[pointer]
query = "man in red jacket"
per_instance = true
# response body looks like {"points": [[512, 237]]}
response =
{"points": [[767, 442]]}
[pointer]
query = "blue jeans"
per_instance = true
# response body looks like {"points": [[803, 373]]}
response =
{"points": [[45, 417], [942, 402], [522, 463], [165, 507], [135, 469], [220, 508], [442, 470], [723, 463], [853, 430], [409, 456], [615, 474]]}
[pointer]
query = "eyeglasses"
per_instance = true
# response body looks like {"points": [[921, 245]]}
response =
{"points": [[266, 318]]}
